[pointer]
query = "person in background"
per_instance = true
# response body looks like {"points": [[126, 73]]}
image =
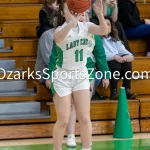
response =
{"points": [[129, 16], [47, 16], [119, 59], [45, 46], [110, 9]]}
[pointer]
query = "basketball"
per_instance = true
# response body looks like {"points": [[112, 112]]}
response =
{"points": [[78, 6]]}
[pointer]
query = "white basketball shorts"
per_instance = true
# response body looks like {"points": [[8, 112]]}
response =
{"points": [[67, 81]]}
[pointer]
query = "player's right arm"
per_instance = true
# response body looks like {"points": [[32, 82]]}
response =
{"points": [[61, 33], [100, 56]]}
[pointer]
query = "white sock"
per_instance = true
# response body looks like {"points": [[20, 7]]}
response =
{"points": [[148, 53], [71, 135]]}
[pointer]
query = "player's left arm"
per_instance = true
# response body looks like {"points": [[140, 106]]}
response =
{"points": [[99, 54], [101, 29], [100, 57]]}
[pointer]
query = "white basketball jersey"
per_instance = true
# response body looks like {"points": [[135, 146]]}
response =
{"points": [[73, 51]]}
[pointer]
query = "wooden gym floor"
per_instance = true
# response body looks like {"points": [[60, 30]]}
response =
{"points": [[139, 142]]}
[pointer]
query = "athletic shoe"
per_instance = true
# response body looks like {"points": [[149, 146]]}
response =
{"points": [[71, 141], [148, 54]]}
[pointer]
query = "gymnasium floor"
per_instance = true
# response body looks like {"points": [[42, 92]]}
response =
{"points": [[139, 142]]}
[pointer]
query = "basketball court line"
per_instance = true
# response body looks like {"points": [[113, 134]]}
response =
{"points": [[49, 140]]}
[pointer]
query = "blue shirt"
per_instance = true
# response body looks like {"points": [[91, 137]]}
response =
{"points": [[113, 48]]}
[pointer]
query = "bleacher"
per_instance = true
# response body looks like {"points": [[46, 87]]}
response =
{"points": [[26, 110]]}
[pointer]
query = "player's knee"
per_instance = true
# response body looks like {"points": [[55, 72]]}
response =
{"points": [[84, 119], [63, 122]]}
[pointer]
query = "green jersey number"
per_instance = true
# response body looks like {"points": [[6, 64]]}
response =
{"points": [[79, 53]]}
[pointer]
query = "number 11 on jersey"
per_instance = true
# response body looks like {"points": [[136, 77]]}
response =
{"points": [[79, 53]]}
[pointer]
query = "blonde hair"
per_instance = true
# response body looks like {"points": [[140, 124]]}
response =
{"points": [[87, 17]]}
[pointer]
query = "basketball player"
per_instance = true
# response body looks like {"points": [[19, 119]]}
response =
{"points": [[96, 54], [71, 40]]}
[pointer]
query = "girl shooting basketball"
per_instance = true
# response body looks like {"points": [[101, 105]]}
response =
{"points": [[71, 40], [96, 55]]}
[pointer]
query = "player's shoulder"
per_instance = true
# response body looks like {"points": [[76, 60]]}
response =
{"points": [[60, 27], [85, 23]]}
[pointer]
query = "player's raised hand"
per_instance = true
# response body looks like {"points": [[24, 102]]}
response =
{"points": [[69, 17], [98, 7]]}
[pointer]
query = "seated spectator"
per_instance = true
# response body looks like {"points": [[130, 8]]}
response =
{"points": [[110, 8], [129, 16], [45, 46], [119, 59], [47, 16]]}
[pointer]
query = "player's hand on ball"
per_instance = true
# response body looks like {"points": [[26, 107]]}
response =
{"points": [[69, 17], [105, 83], [98, 7], [48, 84]]}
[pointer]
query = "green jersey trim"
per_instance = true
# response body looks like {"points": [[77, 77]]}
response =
{"points": [[60, 56], [52, 60], [52, 87], [90, 63]]}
